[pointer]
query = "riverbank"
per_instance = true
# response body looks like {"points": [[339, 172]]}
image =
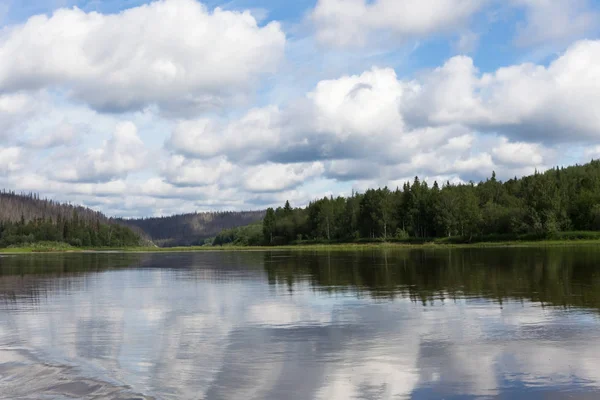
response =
{"points": [[304, 247], [372, 246]]}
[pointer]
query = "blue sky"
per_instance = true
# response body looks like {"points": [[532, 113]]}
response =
{"points": [[150, 108]]}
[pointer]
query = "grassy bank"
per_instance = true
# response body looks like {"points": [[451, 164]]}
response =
{"points": [[308, 247], [41, 247]]}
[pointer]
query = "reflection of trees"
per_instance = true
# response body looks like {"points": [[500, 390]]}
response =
{"points": [[28, 275], [556, 276]]}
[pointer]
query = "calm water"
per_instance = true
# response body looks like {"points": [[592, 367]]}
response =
{"points": [[460, 324]]}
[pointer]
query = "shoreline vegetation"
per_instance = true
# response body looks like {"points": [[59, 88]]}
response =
{"points": [[567, 239]]}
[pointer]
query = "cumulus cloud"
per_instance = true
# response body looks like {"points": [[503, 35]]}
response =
{"points": [[550, 21], [526, 101], [15, 109], [62, 134], [354, 22], [123, 153], [171, 53], [365, 104], [518, 154], [10, 159], [277, 177], [180, 171], [246, 138], [377, 126], [341, 118]]}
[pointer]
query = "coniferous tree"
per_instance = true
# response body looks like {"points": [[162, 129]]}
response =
{"points": [[542, 204]]}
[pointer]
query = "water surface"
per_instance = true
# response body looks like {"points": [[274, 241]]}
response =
{"points": [[421, 324]]}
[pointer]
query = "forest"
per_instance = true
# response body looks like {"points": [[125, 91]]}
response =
{"points": [[543, 205], [26, 219]]}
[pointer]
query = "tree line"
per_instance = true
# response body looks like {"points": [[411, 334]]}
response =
{"points": [[540, 205], [249, 235], [26, 219]]}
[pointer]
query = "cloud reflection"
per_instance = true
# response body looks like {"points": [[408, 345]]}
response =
{"points": [[223, 326]]}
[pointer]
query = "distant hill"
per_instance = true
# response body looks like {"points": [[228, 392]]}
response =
{"points": [[15, 207], [27, 219], [191, 229]]}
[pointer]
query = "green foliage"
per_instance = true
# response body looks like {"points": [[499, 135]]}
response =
{"points": [[269, 225], [42, 247], [75, 232], [26, 221], [401, 234], [251, 235], [541, 206]]}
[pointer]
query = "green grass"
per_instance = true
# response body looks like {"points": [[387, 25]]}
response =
{"points": [[41, 247], [554, 240], [363, 246]]}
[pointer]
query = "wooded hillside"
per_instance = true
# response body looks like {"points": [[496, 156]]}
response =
{"points": [[26, 219], [191, 229]]}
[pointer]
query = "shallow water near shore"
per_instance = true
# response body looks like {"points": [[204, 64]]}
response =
{"points": [[376, 324]]}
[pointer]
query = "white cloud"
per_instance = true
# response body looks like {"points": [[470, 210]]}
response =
{"points": [[15, 109], [277, 177], [551, 21], [479, 163], [205, 138], [518, 154], [180, 171], [172, 53], [123, 153], [10, 159], [459, 143], [355, 128], [524, 101], [465, 162], [365, 104], [355, 22], [341, 118], [445, 95], [592, 152], [14, 104], [62, 134]]}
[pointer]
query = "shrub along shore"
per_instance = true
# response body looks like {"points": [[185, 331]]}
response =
{"points": [[561, 239]]}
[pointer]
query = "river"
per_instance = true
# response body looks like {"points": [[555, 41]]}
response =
{"points": [[518, 323]]}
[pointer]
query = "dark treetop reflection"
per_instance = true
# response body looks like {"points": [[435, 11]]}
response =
{"points": [[489, 323]]}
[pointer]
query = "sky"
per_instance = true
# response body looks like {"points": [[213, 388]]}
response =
{"points": [[145, 108]]}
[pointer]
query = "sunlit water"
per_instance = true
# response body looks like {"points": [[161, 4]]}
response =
{"points": [[460, 324]]}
